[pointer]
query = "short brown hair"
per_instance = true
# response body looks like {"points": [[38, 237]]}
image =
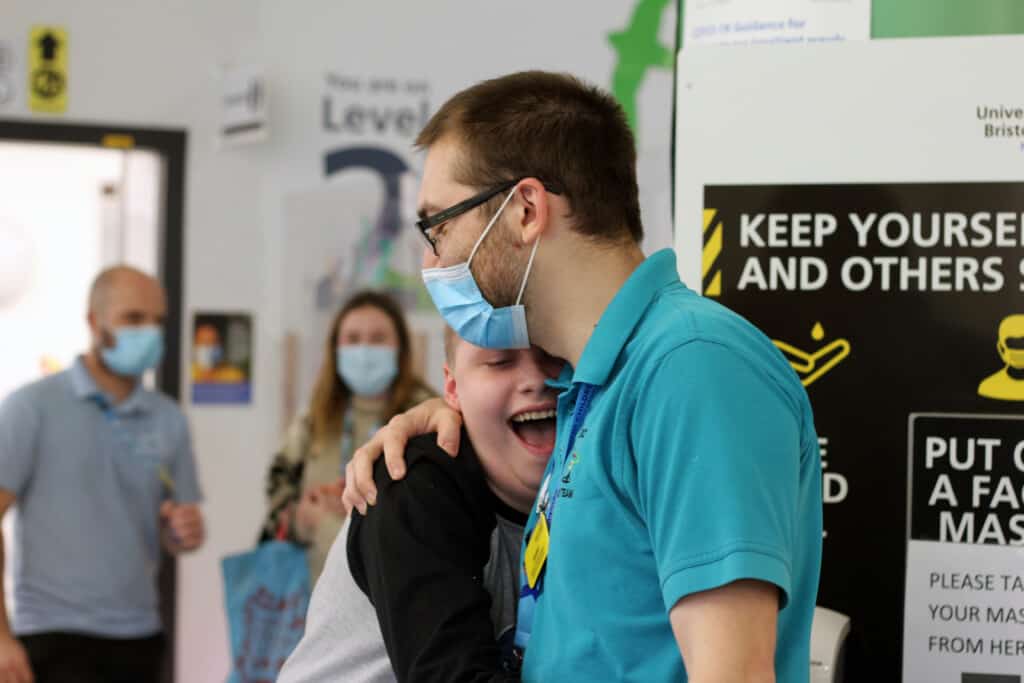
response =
{"points": [[554, 127]]}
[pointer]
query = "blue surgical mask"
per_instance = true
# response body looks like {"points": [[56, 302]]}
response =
{"points": [[136, 350], [208, 355], [462, 305], [367, 370]]}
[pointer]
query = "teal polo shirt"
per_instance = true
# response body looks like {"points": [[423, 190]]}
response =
{"points": [[696, 465]]}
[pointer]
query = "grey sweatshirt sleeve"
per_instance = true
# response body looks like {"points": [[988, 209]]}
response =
{"points": [[342, 641]]}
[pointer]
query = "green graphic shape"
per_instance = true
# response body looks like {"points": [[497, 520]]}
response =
{"points": [[637, 50], [914, 18]]}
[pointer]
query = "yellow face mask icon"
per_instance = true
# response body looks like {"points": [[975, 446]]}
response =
{"points": [[1011, 341], [1013, 357], [1007, 384]]}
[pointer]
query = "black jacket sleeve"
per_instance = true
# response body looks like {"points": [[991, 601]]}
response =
{"points": [[419, 555]]}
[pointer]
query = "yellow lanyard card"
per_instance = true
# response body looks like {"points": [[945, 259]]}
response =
{"points": [[536, 551]]}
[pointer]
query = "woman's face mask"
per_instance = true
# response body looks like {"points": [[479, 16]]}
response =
{"points": [[367, 370]]}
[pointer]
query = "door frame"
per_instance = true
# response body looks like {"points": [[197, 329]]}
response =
{"points": [[170, 144]]}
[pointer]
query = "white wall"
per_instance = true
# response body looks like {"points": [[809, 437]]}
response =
{"points": [[153, 64], [149, 63]]}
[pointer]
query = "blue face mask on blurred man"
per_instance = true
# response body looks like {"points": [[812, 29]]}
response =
{"points": [[135, 350]]}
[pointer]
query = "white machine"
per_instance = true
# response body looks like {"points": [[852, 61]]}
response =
{"points": [[828, 640]]}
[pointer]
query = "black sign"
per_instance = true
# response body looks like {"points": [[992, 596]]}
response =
{"points": [[967, 480], [887, 300]]}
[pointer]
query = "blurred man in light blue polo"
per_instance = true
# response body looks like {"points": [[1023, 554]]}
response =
{"points": [[100, 470]]}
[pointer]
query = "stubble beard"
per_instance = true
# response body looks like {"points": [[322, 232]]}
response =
{"points": [[499, 266]]}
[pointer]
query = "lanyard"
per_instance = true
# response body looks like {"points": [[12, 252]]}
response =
{"points": [[348, 432], [528, 594], [579, 414], [347, 436]]}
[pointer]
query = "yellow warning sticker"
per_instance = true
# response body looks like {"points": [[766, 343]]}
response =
{"points": [[711, 268], [48, 69]]}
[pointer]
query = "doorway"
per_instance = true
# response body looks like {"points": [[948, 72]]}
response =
{"points": [[74, 200]]}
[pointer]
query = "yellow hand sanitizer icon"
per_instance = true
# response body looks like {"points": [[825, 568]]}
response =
{"points": [[810, 366]]}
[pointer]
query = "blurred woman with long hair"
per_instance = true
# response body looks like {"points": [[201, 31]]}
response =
{"points": [[365, 378]]}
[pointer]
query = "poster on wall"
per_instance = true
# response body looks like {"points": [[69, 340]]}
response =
{"points": [[756, 22], [965, 563], [221, 358], [242, 113], [352, 173], [355, 235], [875, 233], [891, 301]]}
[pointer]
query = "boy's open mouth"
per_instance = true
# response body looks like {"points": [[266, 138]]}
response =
{"points": [[535, 429]]}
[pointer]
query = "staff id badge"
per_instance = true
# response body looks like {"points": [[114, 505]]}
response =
{"points": [[536, 551]]}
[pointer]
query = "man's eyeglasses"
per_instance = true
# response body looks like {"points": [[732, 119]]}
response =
{"points": [[428, 224]]}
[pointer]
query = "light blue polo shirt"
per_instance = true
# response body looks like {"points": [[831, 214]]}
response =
{"points": [[696, 465], [86, 477]]}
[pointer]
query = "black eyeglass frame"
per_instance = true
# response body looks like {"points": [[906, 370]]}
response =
{"points": [[428, 223]]}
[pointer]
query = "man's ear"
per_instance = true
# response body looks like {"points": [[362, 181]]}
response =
{"points": [[535, 213], [451, 394]]}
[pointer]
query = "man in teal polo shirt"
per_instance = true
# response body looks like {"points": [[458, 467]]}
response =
{"points": [[678, 531]]}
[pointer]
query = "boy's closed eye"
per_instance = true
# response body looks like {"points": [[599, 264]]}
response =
{"points": [[497, 360]]}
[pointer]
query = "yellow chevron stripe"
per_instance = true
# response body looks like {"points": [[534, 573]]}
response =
{"points": [[709, 218], [711, 250], [715, 288]]}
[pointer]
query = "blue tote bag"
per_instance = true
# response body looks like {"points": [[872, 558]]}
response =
{"points": [[266, 592]]}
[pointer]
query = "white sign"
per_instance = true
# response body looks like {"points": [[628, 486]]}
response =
{"points": [[243, 106], [841, 114], [964, 601], [756, 22]]}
